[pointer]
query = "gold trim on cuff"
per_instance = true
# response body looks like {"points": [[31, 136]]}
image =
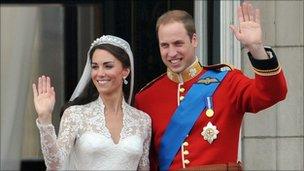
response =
{"points": [[267, 70], [272, 73]]}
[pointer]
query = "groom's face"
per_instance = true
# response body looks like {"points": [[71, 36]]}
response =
{"points": [[177, 49]]}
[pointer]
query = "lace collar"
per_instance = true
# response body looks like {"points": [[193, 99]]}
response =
{"points": [[102, 106]]}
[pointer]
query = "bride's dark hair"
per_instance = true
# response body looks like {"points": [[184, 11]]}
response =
{"points": [[90, 92]]}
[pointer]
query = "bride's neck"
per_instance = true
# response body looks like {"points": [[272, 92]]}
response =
{"points": [[113, 103]]}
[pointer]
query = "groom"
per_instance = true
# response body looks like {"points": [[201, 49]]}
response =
{"points": [[197, 111]]}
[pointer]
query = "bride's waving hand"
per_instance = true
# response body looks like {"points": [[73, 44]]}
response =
{"points": [[44, 99]]}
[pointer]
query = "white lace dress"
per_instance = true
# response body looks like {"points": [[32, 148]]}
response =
{"points": [[85, 143]]}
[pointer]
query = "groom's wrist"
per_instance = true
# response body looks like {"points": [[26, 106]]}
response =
{"points": [[257, 51]]}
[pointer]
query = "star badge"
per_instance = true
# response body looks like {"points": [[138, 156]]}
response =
{"points": [[209, 132]]}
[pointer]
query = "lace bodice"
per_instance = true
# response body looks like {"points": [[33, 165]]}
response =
{"points": [[85, 143]]}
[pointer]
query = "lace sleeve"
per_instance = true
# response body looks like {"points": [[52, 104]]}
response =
{"points": [[55, 150], [144, 163]]}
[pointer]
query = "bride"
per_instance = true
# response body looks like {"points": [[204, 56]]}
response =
{"points": [[99, 130]]}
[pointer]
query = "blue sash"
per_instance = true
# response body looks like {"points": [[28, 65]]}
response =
{"points": [[186, 114]]}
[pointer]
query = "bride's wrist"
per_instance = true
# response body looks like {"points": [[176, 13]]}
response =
{"points": [[45, 120]]}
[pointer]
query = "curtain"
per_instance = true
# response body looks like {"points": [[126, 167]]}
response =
{"points": [[17, 40]]}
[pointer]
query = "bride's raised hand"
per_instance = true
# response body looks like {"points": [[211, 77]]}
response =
{"points": [[44, 99]]}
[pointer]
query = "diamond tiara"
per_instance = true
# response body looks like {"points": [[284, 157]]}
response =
{"points": [[111, 40]]}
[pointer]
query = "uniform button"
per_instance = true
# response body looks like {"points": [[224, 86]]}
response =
{"points": [[185, 143], [186, 161], [186, 152], [181, 98], [182, 90]]}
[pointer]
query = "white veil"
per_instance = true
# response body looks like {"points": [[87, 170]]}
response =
{"points": [[86, 75]]}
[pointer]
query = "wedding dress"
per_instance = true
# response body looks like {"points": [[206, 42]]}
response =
{"points": [[85, 143]]}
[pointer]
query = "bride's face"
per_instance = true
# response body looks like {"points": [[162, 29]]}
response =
{"points": [[107, 72]]}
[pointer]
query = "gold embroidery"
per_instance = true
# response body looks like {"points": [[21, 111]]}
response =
{"points": [[208, 80], [189, 73]]}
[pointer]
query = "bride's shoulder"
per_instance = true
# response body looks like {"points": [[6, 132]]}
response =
{"points": [[140, 114], [75, 111]]}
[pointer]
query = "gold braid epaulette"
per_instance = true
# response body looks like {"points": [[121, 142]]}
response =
{"points": [[150, 83], [218, 67]]}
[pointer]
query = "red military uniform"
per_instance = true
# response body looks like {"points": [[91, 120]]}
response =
{"points": [[235, 95]]}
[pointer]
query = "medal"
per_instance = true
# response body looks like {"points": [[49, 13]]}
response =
{"points": [[209, 132], [209, 111]]}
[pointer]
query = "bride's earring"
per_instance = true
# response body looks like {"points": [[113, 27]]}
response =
{"points": [[125, 81]]}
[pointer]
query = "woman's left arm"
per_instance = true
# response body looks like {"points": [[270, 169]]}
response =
{"points": [[144, 163]]}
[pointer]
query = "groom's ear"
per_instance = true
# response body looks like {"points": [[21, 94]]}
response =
{"points": [[194, 40]]}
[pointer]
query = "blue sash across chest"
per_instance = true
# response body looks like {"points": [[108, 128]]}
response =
{"points": [[186, 114]]}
